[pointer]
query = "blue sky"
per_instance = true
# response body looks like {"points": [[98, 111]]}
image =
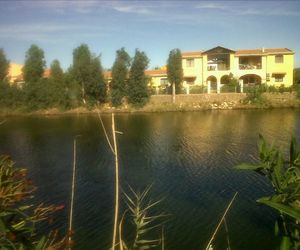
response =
{"points": [[155, 27]]}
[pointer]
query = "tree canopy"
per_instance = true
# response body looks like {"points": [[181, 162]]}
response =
{"points": [[174, 68], [138, 92], [119, 76], [34, 64], [4, 66], [87, 71]]}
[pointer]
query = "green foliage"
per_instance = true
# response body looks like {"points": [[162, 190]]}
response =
{"points": [[296, 76], [198, 89], [56, 86], [11, 97], [96, 87], [4, 66], [254, 94], [231, 84], [174, 69], [34, 64], [297, 87], [140, 208], [18, 218], [138, 93], [119, 77], [284, 175], [87, 72]]}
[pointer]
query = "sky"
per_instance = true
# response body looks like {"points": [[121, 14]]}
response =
{"points": [[155, 27]]}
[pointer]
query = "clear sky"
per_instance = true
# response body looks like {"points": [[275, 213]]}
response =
{"points": [[155, 27]]}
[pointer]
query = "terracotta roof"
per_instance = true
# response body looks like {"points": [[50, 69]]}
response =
{"points": [[107, 74], [191, 53], [46, 73], [266, 51]]}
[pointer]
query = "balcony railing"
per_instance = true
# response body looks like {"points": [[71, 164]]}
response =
{"points": [[215, 67], [249, 66]]}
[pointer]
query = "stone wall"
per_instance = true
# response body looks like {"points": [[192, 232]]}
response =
{"points": [[219, 98], [198, 98]]}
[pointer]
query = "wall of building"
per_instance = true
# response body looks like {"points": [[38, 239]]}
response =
{"points": [[287, 66]]}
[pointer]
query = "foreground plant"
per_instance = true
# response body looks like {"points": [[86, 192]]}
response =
{"points": [[140, 206], [18, 218], [284, 175]]}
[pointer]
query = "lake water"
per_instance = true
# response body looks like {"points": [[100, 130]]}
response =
{"points": [[188, 157]]}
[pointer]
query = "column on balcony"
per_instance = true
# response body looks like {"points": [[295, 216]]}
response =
{"points": [[208, 86], [218, 85], [241, 83]]}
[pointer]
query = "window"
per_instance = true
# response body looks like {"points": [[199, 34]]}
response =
{"points": [[190, 62], [279, 59], [164, 81], [279, 78]]}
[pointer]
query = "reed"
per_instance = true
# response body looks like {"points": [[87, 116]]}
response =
{"points": [[70, 231]]}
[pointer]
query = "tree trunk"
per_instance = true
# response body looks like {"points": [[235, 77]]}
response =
{"points": [[173, 93], [83, 94]]}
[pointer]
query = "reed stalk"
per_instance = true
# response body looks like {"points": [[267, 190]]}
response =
{"points": [[72, 198], [222, 219], [116, 181]]}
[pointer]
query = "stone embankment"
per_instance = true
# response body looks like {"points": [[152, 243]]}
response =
{"points": [[222, 101]]}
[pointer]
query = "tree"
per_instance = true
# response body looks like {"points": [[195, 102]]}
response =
{"points": [[4, 66], [119, 77], [87, 71], [174, 71], [96, 87], [34, 64], [81, 64], [56, 85], [138, 92]]}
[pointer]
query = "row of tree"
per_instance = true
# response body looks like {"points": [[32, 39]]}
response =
{"points": [[83, 84]]}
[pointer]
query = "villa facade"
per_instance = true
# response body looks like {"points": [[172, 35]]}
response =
{"points": [[211, 68]]}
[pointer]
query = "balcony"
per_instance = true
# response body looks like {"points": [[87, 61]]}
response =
{"points": [[218, 61], [249, 66], [216, 67], [250, 62]]}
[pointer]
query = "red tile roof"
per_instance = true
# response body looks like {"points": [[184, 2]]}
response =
{"points": [[264, 51], [191, 53]]}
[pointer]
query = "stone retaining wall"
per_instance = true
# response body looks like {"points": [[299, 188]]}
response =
{"points": [[219, 98]]}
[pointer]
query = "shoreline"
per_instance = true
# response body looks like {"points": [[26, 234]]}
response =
{"points": [[154, 108]]}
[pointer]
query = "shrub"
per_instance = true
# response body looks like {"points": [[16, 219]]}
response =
{"points": [[198, 89], [18, 218], [284, 175], [254, 94]]}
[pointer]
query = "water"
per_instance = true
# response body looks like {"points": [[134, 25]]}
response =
{"points": [[188, 157]]}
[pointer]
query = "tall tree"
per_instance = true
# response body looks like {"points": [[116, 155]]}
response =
{"points": [[138, 92], [87, 71], [96, 87], [56, 85], [4, 66], [119, 76], [175, 71], [34, 64], [81, 67]]}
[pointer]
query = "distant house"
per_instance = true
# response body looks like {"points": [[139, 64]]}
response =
{"points": [[211, 68], [15, 74]]}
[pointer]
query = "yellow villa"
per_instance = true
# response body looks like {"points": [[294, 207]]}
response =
{"points": [[211, 68]]}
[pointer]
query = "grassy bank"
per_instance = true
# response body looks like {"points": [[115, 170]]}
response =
{"points": [[161, 107]]}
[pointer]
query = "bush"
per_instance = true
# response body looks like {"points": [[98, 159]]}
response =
{"points": [[198, 89], [17, 216], [254, 94], [229, 88]]}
